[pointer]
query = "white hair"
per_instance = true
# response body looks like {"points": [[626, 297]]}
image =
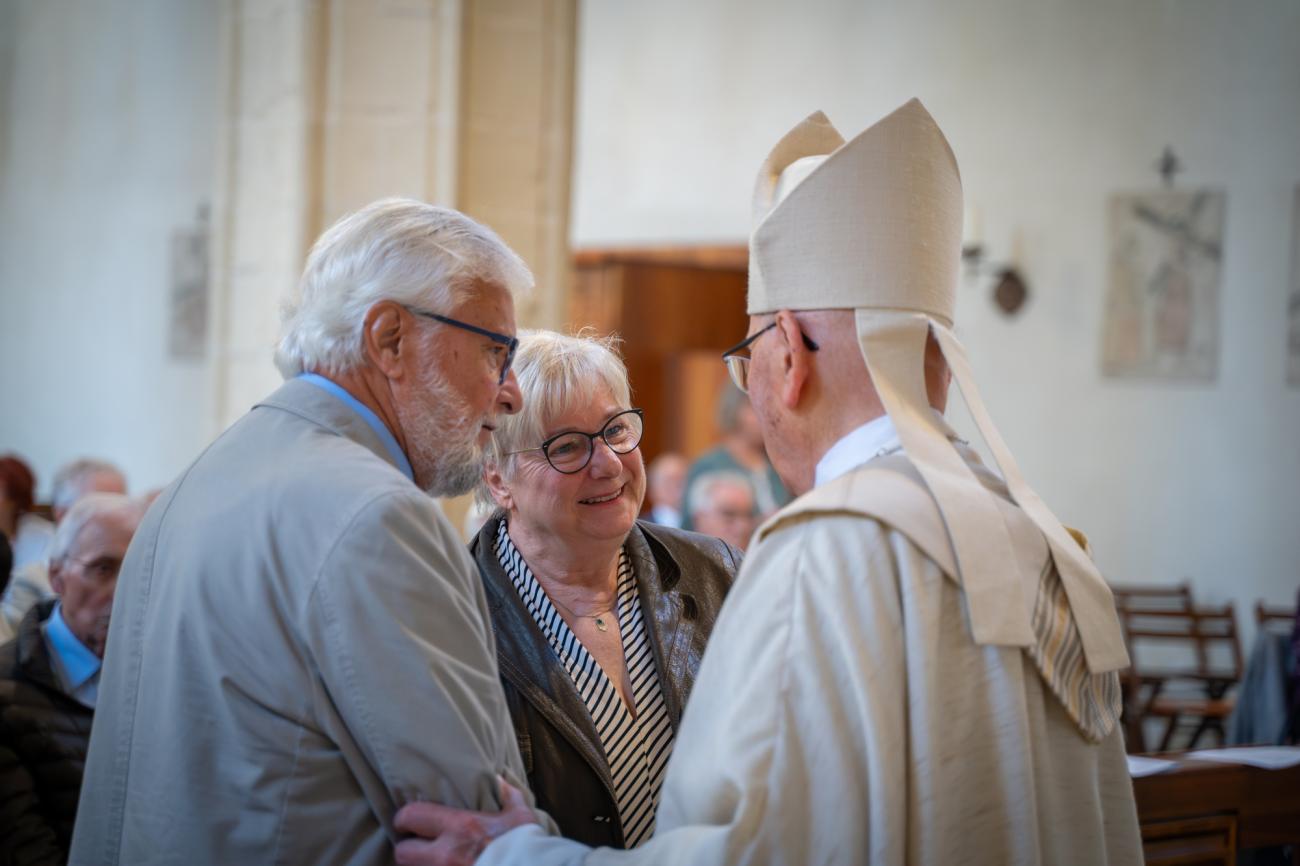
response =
{"points": [[71, 480], [92, 506], [707, 486], [394, 249], [556, 373]]}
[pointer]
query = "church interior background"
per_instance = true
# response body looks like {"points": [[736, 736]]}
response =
{"points": [[164, 167]]}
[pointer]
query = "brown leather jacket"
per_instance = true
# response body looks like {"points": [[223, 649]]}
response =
{"points": [[682, 578]]}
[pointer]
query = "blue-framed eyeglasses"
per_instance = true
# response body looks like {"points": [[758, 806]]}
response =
{"points": [[511, 343], [738, 365], [571, 451]]}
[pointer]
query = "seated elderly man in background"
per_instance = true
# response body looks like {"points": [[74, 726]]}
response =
{"points": [[665, 485], [741, 451], [31, 579], [301, 641], [723, 506], [600, 619], [28, 533], [49, 681]]}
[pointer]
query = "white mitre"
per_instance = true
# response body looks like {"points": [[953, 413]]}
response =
{"points": [[874, 225]]}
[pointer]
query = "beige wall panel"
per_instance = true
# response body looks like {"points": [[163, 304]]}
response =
{"points": [[389, 106], [382, 56], [265, 185], [372, 158], [516, 134]]}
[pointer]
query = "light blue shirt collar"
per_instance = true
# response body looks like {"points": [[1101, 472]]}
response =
{"points": [[76, 662], [367, 415]]}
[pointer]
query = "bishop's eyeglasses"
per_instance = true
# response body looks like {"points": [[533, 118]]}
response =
{"points": [[738, 364]]}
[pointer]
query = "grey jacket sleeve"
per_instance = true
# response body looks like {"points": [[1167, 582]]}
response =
{"points": [[398, 628]]}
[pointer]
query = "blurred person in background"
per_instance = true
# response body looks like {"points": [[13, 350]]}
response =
{"points": [[665, 483], [49, 680], [723, 506], [87, 475], [600, 619], [741, 451], [31, 580], [28, 533], [6, 562]]}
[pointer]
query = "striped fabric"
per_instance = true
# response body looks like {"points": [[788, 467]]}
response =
{"points": [[1092, 700], [636, 746]]}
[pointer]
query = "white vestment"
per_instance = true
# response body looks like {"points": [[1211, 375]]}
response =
{"points": [[843, 715]]}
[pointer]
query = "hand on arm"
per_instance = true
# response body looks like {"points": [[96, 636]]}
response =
{"points": [[443, 836]]}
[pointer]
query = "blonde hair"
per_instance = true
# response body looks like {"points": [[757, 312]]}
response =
{"points": [[556, 372]]}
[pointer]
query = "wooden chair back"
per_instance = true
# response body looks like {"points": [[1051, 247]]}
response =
{"points": [[1274, 617], [1208, 633]]}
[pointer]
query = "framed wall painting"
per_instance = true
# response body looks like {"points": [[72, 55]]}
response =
{"points": [[1162, 302]]}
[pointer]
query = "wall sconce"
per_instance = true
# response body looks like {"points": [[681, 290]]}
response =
{"points": [[1010, 291]]}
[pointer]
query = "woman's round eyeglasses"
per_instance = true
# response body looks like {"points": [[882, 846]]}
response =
{"points": [[571, 451]]}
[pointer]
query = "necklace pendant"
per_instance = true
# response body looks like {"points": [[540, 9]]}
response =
{"points": [[600, 624]]}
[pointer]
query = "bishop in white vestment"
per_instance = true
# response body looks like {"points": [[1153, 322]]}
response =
{"points": [[917, 663]]}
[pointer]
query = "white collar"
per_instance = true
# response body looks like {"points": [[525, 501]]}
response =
{"points": [[876, 438]]}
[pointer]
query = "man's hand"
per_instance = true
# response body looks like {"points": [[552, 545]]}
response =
{"points": [[455, 837]]}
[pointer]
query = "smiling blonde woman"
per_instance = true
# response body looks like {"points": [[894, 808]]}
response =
{"points": [[600, 619]]}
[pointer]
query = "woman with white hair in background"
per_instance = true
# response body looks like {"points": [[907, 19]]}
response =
{"points": [[600, 619]]}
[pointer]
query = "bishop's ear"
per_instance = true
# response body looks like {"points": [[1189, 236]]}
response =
{"points": [[795, 359]]}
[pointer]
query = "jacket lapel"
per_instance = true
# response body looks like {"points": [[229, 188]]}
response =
{"points": [[33, 656], [528, 662], [320, 407], [669, 617]]}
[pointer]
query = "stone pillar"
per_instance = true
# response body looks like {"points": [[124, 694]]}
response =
{"points": [[391, 95], [262, 204], [330, 104], [516, 134]]}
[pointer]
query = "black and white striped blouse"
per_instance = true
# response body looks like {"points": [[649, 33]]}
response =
{"points": [[636, 746]]}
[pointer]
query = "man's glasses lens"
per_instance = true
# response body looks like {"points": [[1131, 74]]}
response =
{"points": [[571, 452], [738, 367]]}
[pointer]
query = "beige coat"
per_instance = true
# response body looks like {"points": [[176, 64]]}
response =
{"points": [[299, 646], [843, 715]]}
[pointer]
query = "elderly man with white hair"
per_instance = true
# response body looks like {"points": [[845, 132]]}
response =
{"points": [[723, 506], [918, 662], [80, 477], [301, 641], [49, 680], [31, 582]]}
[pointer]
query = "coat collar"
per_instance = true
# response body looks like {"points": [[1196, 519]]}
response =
{"points": [[314, 404], [529, 664], [34, 660]]}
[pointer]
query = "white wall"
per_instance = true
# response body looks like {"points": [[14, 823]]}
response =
{"points": [[1050, 107], [108, 117]]}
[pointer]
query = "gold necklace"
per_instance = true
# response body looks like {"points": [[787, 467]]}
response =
{"points": [[598, 617]]}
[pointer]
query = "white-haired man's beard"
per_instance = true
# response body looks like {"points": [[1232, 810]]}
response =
{"points": [[442, 439]]}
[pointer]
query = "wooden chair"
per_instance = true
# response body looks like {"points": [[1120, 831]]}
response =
{"points": [[1271, 617], [1131, 601], [1134, 597], [1195, 693]]}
